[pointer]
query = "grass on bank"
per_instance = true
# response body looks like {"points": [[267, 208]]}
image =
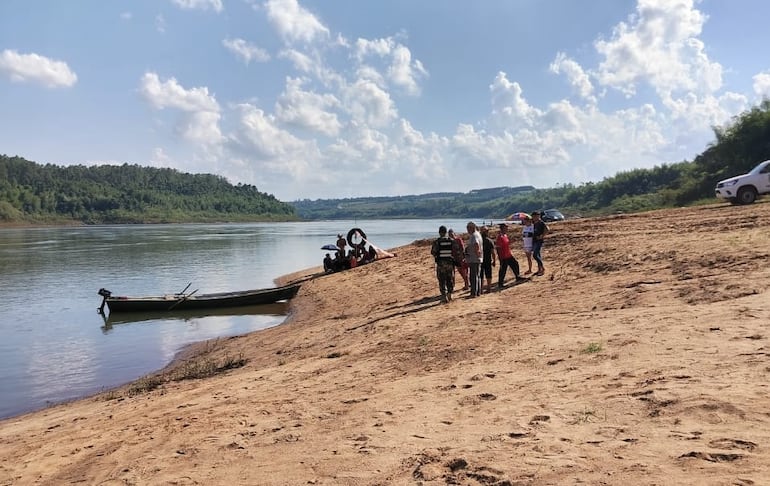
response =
{"points": [[592, 348], [203, 365]]}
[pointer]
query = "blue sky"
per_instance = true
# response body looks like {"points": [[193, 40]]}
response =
{"points": [[347, 98]]}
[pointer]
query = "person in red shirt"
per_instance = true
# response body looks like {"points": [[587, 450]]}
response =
{"points": [[505, 257]]}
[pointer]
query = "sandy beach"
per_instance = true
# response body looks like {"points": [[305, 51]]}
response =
{"points": [[640, 357]]}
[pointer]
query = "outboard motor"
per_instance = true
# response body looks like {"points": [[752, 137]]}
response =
{"points": [[105, 294]]}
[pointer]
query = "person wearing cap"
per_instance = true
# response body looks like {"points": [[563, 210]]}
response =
{"points": [[441, 249], [505, 257], [475, 256]]}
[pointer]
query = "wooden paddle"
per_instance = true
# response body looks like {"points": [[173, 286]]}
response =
{"points": [[182, 299]]}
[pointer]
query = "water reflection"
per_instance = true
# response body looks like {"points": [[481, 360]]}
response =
{"points": [[276, 309]]}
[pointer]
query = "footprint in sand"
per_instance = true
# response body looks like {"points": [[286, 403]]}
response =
{"points": [[475, 400], [712, 456], [539, 418], [733, 444]]}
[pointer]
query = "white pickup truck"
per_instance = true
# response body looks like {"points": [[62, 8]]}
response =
{"points": [[744, 189]]}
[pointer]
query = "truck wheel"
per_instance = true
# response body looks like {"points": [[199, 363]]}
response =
{"points": [[747, 195]]}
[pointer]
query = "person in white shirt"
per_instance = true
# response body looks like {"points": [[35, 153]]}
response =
{"points": [[475, 256], [527, 239]]}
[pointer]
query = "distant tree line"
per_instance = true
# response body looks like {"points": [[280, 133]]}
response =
{"points": [[108, 194], [31, 192], [736, 149]]}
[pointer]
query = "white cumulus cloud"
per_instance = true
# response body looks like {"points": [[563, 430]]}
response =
{"points": [[369, 104], [396, 62], [659, 46], [509, 107], [259, 134], [405, 73], [36, 69], [421, 156], [293, 22], [246, 51], [576, 76], [762, 84], [312, 64], [170, 94], [215, 5], [307, 109], [201, 111]]}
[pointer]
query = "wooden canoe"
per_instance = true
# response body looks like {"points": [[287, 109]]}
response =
{"points": [[175, 302]]}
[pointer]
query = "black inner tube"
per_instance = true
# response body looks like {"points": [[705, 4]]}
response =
{"points": [[352, 233]]}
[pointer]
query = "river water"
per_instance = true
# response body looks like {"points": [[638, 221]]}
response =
{"points": [[55, 346]]}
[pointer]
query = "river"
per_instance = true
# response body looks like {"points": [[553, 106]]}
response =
{"points": [[56, 347]]}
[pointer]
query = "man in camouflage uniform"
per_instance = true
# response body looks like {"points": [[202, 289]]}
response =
{"points": [[445, 265]]}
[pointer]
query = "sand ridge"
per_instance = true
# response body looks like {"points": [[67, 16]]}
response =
{"points": [[641, 356]]}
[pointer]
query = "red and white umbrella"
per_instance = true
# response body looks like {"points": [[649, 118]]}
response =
{"points": [[518, 216]]}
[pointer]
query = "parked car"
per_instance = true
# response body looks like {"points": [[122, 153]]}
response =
{"points": [[744, 189], [552, 215]]}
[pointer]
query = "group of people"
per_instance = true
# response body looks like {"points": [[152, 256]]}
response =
{"points": [[474, 259], [344, 260]]}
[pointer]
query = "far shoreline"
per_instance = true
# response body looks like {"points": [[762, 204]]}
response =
{"points": [[80, 224]]}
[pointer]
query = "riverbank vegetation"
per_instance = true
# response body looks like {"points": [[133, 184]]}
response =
{"points": [[107, 194], [34, 193]]}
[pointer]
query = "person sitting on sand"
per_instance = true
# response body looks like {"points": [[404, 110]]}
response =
{"points": [[328, 264], [341, 263]]}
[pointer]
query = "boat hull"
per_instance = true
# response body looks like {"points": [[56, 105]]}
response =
{"points": [[204, 301]]}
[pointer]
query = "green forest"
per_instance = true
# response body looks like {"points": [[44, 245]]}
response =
{"points": [[116, 194], [34, 193]]}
